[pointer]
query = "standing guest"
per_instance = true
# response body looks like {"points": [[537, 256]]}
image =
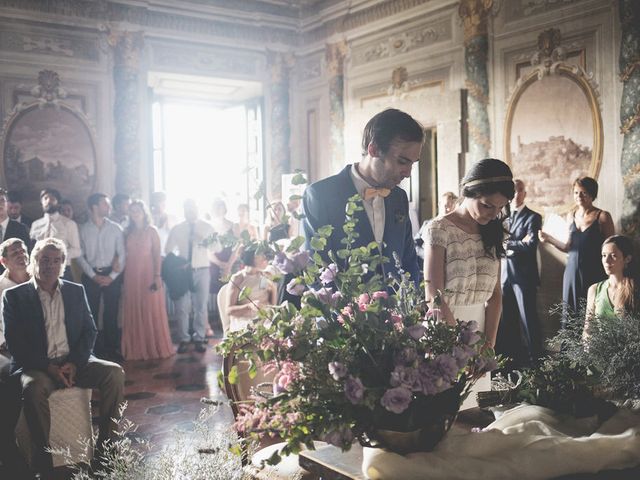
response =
{"points": [[14, 198], [120, 213], [391, 144], [276, 227], [589, 226], [463, 251], [53, 224], [244, 223], [50, 335], [186, 241], [519, 336], [10, 228], [66, 208], [161, 219], [14, 258], [145, 328], [618, 294], [447, 203], [102, 242], [223, 257]]}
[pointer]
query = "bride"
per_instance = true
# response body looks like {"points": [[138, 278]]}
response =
{"points": [[463, 250]]}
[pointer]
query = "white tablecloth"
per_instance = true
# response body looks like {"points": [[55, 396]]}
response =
{"points": [[526, 442]]}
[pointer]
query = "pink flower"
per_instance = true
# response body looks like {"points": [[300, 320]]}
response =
{"points": [[364, 299], [380, 294], [434, 314], [395, 318]]}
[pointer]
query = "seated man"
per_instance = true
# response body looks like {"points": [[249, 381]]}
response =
{"points": [[50, 334], [14, 258]]}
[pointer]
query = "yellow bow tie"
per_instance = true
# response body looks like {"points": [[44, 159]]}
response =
{"points": [[370, 193]]}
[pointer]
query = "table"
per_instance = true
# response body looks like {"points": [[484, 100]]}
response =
{"points": [[330, 463]]}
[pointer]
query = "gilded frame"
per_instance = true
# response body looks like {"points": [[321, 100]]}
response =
{"points": [[582, 82]]}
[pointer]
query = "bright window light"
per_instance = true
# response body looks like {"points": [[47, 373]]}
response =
{"points": [[204, 155]]}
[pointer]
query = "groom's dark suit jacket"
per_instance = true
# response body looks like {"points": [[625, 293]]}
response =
{"points": [[324, 204], [25, 329]]}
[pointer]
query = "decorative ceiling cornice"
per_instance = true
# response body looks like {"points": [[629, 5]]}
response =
{"points": [[255, 21]]}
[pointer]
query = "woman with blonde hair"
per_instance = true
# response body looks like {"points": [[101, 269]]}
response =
{"points": [[145, 326]]}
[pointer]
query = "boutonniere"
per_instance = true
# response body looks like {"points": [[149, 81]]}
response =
{"points": [[400, 216]]}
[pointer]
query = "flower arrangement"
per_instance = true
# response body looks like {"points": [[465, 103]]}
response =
{"points": [[363, 354]]}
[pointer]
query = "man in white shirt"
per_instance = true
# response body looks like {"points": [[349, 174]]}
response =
{"points": [[186, 241], [50, 334], [102, 243], [391, 144], [53, 224]]}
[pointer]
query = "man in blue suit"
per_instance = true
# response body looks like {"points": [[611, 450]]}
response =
{"points": [[50, 334], [391, 144], [519, 335]]}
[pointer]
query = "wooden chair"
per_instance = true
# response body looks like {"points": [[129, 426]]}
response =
{"points": [[221, 300], [241, 391]]}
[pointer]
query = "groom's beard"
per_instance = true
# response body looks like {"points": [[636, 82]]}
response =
{"points": [[51, 209]]}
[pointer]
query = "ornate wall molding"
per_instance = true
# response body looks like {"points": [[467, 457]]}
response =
{"points": [[518, 9], [310, 68], [403, 42], [65, 46], [205, 59]]}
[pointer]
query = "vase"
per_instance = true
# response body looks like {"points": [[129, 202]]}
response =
{"points": [[423, 439]]}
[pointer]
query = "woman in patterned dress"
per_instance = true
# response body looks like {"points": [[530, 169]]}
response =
{"points": [[463, 250]]}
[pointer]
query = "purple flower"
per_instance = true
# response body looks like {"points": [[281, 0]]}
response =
{"points": [[301, 260], [404, 377], [447, 367], [462, 354], [295, 287], [328, 275], [416, 331], [340, 437], [283, 263], [353, 390], [337, 370], [469, 335], [396, 400], [326, 296]]}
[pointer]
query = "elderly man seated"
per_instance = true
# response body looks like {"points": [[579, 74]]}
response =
{"points": [[14, 258], [50, 334]]}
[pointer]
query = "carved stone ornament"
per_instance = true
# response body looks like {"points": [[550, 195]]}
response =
{"points": [[335, 55], [399, 82], [550, 51], [474, 15], [48, 89]]}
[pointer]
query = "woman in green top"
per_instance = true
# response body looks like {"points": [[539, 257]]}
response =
{"points": [[617, 294]]}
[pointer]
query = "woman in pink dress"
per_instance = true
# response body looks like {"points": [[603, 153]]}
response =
{"points": [[145, 329]]}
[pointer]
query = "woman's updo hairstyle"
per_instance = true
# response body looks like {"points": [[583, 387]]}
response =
{"points": [[487, 177]]}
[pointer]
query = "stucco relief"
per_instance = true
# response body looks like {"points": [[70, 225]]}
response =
{"points": [[516, 9], [310, 68], [205, 60], [57, 46], [402, 42]]}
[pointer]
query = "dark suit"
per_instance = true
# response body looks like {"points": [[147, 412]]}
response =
{"points": [[519, 335], [26, 221], [26, 337], [16, 230], [324, 204]]}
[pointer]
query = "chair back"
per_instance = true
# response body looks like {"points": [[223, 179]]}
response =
{"points": [[222, 300], [245, 386]]}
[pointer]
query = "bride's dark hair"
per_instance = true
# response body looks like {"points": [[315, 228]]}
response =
{"points": [[486, 177]]}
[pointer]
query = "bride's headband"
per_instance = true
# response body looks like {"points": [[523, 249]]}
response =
{"points": [[481, 181]]}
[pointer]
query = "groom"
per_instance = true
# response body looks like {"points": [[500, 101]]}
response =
{"points": [[391, 144]]}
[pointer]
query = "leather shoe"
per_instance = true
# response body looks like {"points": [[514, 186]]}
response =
{"points": [[201, 347], [182, 348]]}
